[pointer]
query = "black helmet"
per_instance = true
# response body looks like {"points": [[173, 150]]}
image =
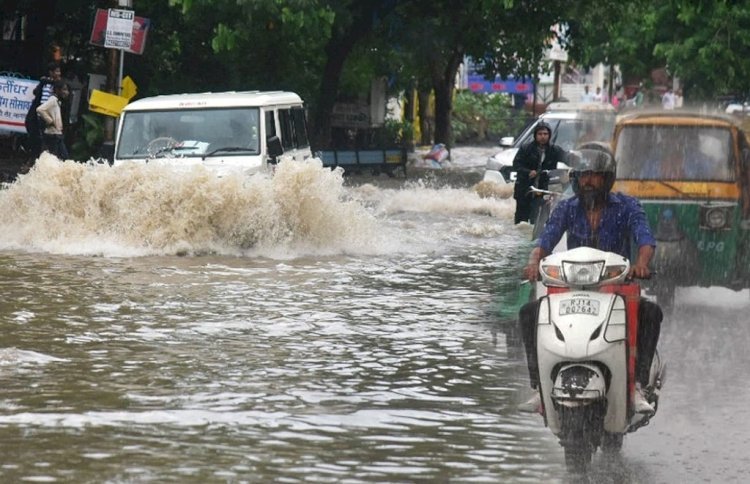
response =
{"points": [[540, 126], [592, 157]]}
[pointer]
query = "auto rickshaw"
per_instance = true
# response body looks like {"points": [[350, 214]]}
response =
{"points": [[691, 172]]}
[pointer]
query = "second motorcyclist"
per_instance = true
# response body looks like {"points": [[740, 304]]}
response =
{"points": [[597, 218], [531, 164]]}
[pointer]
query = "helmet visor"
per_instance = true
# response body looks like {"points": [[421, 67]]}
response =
{"points": [[590, 160]]}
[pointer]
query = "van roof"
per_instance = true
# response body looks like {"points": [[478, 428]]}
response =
{"points": [[595, 106], [214, 99]]}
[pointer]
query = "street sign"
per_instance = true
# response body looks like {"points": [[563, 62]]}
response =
{"points": [[140, 28], [119, 32]]}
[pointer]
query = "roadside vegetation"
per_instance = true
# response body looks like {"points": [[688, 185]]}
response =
{"points": [[331, 50]]}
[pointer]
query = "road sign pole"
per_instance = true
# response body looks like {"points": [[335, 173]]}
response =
{"points": [[119, 77]]}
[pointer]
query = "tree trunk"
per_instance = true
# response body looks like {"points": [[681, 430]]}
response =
{"points": [[443, 80], [337, 50], [426, 117], [329, 88]]}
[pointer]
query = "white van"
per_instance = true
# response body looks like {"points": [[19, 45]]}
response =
{"points": [[571, 123], [225, 132]]}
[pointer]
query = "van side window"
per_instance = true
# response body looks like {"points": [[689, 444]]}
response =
{"points": [[287, 129], [270, 125], [300, 127]]}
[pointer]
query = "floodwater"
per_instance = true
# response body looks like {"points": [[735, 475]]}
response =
{"points": [[308, 327]]}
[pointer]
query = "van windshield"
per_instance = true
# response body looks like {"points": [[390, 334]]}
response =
{"points": [[189, 133], [674, 153], [567, 133]]}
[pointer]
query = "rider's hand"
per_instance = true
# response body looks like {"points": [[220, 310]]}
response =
{"points": [[532, 174], [639, 271], [531, 271]]}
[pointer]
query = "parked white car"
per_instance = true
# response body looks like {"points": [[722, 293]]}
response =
{"points": [[571, 123]]}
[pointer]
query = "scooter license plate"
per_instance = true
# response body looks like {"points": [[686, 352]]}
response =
{"points": [[579, 306]]}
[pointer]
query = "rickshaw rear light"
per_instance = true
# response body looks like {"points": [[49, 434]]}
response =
{"points": [[715, 218]]}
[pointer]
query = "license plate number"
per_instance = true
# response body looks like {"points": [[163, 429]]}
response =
{"points": [[579, 306]]}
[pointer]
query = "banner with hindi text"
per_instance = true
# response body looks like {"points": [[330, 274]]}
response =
{"points": [[16, 95]]}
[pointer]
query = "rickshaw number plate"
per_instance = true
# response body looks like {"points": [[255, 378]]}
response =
{"points": [[579, 306]]}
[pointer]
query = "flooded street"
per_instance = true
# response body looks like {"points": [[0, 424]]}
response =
{"points": [[308, 328]]}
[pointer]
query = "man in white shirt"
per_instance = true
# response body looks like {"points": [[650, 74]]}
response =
{"points": [[667, 100], [587, 96], [598, 96], [51, 115]]}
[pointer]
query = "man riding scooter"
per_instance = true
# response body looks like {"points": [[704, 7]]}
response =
{"points": [[606, 221]]}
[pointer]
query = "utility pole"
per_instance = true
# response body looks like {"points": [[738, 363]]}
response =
{"points": [[114, 73], [556, 88]]}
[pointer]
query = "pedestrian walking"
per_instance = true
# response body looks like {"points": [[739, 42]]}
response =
{"points": [[42, 92], [51, 114]]}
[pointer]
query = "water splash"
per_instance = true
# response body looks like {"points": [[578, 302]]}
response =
{"points": [[420, 197], [133, 210], [13, 356]]}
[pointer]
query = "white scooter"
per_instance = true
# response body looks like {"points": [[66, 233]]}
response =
{"points": [[586, 343]]}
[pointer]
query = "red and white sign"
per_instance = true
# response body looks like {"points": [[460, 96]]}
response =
{"points": [[119, 32], [140, 28]]}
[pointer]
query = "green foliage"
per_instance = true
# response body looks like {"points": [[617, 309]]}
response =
{"points": [[394, 133], [623, 38], [704, 44], [708, 46], [483, 117], [309, 45], [91, 137]]}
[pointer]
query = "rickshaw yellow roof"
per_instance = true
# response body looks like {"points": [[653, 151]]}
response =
{"points": [[680, 118]]}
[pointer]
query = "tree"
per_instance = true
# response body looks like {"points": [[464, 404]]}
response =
{"points": [[701, 43], [624, 40], [506, 37], [294, 45], [708, 46]]}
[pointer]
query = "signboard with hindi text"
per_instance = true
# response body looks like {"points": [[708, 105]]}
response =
{"points": [[16, 95]]}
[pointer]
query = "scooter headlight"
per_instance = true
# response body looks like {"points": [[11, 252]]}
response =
{"points": [[583, 274]]}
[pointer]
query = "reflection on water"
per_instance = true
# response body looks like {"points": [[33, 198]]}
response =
{"points": [[226, 368]]}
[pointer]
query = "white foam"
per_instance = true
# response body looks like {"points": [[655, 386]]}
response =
{"points": [[131, 210]]}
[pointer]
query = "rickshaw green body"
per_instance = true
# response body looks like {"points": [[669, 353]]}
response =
{"points": [[720, 253], [690, 172]]}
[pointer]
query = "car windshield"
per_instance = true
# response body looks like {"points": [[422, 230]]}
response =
{"points": [[674, 153], [189, 133], [569, 133]]}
